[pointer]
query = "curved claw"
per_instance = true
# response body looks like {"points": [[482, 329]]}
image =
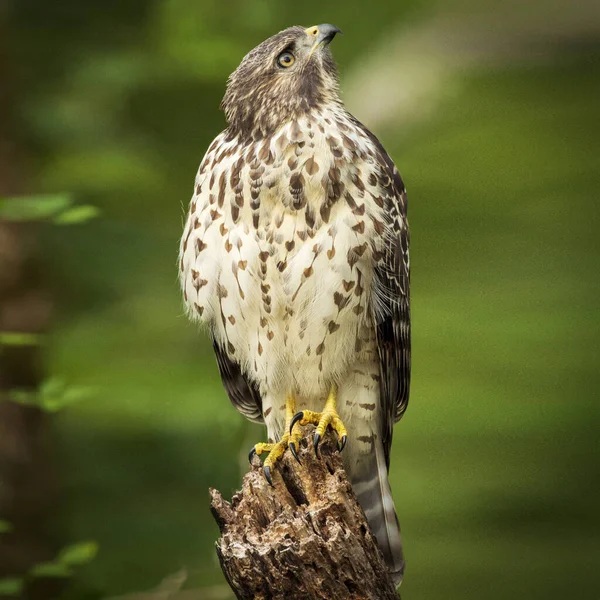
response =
{"points": [[342, 443], [251, 455], [267, 471], [292, 448], [297, 417], [316, 441]]}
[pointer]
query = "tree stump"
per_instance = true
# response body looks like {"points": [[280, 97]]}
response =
{"points": [[305, 538]]}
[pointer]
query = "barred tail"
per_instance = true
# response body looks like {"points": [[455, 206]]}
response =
{"points": [[369, 479]]}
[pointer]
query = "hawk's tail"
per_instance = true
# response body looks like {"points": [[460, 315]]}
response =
{"points": [[369, 477]]}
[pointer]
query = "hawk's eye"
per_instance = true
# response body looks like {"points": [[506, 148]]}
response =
{"points": [[286, 59]]}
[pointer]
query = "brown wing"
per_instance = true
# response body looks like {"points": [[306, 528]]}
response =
{"points": [[393, 331], [244, 394], [391, 298]]}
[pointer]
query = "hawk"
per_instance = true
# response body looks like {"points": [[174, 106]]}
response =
{"points": [[295, 255]]}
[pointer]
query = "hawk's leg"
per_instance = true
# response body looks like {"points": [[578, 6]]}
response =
{"points": [[328, 418], [290, 439]]}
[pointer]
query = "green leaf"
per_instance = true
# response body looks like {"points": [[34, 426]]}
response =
{"points": [[17, 338], [11, 586], [52, 387], [77, 214], [76, 394], [50, 569], [50, 405], [52, 396], [33, 208], [55, 395], [78, 554], [24, 397], [5, 526], [58, 403]]}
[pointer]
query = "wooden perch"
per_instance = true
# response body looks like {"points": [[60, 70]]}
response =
{"points": [[304, 538]]}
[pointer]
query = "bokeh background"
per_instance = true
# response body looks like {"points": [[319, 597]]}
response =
{"points": [[490, 111]]}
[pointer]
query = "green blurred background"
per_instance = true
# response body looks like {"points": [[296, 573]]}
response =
{"points": [[491, 113]]}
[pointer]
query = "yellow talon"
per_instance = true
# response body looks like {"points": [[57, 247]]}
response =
{"points": [[328, 418], [277, 451], [290, 439], [262, 447]]}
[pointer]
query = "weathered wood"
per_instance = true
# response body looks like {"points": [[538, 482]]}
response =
{"points": [[304, 538]]}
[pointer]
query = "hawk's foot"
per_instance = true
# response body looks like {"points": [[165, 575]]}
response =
{"points": [[328, 418], [291, 438]]}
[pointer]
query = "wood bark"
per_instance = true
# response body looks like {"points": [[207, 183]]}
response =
{"points": [[304, 538]]}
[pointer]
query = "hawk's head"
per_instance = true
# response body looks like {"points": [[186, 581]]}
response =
{"points": [[287, 75]]}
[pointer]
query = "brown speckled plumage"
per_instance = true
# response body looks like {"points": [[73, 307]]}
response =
{"points": [[295, 255]]}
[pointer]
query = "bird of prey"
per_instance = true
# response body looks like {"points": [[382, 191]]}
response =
{"points": [[295, 255]]}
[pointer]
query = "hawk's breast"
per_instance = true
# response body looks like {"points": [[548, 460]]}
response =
{"points": [[279, 250]]}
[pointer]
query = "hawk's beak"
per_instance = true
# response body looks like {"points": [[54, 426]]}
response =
{"points": [[322, 34]]}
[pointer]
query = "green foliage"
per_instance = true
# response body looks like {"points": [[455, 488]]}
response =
{"points": [[17, 338], [11, 586], [53, 395], [75, 555], [33, 208], [56, 208], [50, 569], [78, 554], [5, 526], [77, 214]]}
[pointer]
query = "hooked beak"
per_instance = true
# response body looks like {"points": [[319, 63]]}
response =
{"points": [[322, 34]]}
